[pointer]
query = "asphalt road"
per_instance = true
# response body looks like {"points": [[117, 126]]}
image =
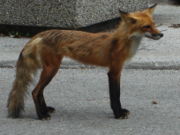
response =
{"points": [[80, 97]]}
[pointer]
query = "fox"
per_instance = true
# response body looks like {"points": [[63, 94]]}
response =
{"points": [[46, 50]]}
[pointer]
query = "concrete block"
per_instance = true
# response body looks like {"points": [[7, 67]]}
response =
{"points": [[64, 13]]}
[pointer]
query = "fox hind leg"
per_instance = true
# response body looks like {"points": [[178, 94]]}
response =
{"points": [[48, 72]]}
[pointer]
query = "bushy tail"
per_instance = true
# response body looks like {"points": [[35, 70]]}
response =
{"points": [[24, 72]]}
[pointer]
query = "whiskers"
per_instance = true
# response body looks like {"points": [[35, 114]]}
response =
{"points": [[159, 25]]}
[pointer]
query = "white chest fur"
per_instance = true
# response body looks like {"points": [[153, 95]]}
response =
{"points": [[136, 40]]}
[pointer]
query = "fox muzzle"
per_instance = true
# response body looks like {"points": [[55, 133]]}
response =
{"points": [[154, 36]]}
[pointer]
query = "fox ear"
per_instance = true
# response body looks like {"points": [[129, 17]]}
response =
{"points": [[123, 14], [151, 9], [131, 20], [126, 17]]}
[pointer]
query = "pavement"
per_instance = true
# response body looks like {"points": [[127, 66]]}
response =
{"points": [[161, 54], [81, 99], [150, 90]]}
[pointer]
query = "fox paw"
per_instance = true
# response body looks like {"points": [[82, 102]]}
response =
{"points": [[124, 113], [50, 109], [45, 117]]}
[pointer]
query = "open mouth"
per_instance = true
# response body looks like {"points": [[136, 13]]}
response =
{"points": [[153, 36]]}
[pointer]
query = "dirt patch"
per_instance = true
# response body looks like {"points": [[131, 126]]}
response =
{"points": [[175, 26], [154, 102]]}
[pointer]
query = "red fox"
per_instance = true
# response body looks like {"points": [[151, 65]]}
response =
{"points": [[108, 49]]}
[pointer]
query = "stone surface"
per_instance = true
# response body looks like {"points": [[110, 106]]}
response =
{"points": [[64, 13], [134, 5], [81, 99], [38, 12]]}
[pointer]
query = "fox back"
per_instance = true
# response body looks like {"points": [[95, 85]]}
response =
{"points": [[110, 49]]}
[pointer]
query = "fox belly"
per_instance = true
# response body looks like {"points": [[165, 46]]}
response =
{"points": [[87, 54]]}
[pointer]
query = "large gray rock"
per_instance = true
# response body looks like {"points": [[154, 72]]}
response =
{"points": [[64, 13], [54, 13]]}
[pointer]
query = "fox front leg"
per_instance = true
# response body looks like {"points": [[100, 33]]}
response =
{"points": [[114, 92]]}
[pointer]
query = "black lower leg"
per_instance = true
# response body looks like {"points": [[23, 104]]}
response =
{"points": [[45, 108], [114, 91], [41, 107]]}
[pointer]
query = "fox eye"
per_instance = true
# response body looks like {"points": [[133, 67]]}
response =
{"points": [[147, 26]]}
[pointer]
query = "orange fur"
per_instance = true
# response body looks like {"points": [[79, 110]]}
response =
{"points": [[46, 50]]}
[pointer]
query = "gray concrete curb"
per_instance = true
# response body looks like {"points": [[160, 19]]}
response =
{"points": [[149, 65]]}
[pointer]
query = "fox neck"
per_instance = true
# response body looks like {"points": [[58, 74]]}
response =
{"points": [[127, 32], [136, 40], [128, 39]]}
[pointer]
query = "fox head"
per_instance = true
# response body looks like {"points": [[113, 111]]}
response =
{"points": [[141, 23]]}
